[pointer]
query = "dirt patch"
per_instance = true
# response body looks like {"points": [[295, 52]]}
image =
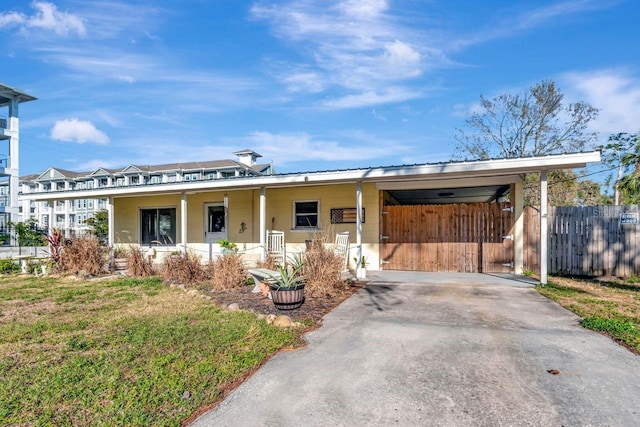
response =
{"points": [[314, 308]]}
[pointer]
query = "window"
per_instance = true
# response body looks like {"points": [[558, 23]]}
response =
{"points": [[89, 184], [187, 177], [306, 214], [211, 176], [158, 226], [103, 182], [134, 180], [120, 182], [155, 179], [194, 177]]}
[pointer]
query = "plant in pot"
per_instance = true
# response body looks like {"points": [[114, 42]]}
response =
{"points": [[361, 267], [228, 247], [287, 288], [120, 259]]}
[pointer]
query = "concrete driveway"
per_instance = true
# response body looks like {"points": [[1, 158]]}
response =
{"points": [[442, 349]]}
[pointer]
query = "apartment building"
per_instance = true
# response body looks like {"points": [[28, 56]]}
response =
{"points": [[10, 100], [70, 214]]}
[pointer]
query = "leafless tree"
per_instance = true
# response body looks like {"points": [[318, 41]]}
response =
{"points": [[534, 123]]}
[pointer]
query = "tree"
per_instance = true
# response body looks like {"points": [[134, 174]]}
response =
{"points": [[564, 189], [623, 154], [99, 224], [534, 123], [28, 233]]}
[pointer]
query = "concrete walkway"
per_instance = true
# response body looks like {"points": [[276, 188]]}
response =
{"points": [[442, 349]]}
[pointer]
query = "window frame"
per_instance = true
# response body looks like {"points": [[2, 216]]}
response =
{"points": [[295, 215], [172, 239]]}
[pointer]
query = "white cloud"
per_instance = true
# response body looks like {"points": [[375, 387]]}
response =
{"points": [[616, 93], [79, 131], [284, 148], [558, 12], [357, 45], [46, 17], [364, 8], [303, 82], [389, 95]]}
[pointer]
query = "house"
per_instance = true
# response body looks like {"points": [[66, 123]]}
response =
{"points": [[467, 215], [70, 214]]}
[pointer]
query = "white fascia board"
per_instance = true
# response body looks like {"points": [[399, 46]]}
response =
{"points": [[433, 172]]}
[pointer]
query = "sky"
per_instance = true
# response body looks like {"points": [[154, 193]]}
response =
{"points": [[310, 85]]}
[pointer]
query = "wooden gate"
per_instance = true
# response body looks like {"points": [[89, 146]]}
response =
{"points": [[470, 238]]}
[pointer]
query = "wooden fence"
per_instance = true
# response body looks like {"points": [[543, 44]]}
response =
{"points": [[585, 241], [452, 237]]}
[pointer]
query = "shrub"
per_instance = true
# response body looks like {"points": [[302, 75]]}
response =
{"points": [[322, 269], [269, 263], [227, 272], [183, 268], [139, 264], [83, 254], [8, 266]]}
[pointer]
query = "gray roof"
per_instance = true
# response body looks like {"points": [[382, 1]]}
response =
{"points": [[167, 167], [7, 93]]}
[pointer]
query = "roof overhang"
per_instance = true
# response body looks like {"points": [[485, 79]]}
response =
{"points": [[7, 93], [440, 175]]}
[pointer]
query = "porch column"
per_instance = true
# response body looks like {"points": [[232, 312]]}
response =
{"points": [[263, 223], [518, 228], [543, 227], [359, 221], [51, 216], [66, 219], [183, 221], [110, 229]]}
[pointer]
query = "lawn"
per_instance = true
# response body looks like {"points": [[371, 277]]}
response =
{"points": [[609, 307], [120, 352]]}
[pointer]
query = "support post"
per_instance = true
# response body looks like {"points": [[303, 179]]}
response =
{"points": [[110, 222], [14, 160], [183, 221], [51, 216], [518, 227], [263, 223], [359, 222], [543, 227]]}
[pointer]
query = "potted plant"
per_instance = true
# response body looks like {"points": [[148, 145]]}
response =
{"points": [[287, 288], [228, 247], [361, 267], [120, 259]]}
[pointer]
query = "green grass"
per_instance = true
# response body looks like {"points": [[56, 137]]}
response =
{"points": [[609, 308], [121, 352]]}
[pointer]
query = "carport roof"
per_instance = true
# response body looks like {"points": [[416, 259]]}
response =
{"points": [[454, 174]]}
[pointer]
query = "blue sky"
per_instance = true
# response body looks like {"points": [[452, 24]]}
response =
{"points": [[308, 84]]}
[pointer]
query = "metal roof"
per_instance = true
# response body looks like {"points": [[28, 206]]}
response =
{"points": [[456, 174]]}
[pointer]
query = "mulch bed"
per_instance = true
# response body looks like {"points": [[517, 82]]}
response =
{"points": [[314, 308]]}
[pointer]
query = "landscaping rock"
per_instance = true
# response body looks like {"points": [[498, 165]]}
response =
{"points": [[283, 321], [270, 318], [233, 307], [193, 292]]}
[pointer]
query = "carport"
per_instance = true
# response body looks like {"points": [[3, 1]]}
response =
{"points": [[465, 216]]}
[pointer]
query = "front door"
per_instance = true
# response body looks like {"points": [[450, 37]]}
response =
{"points": [[215, 218]]}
